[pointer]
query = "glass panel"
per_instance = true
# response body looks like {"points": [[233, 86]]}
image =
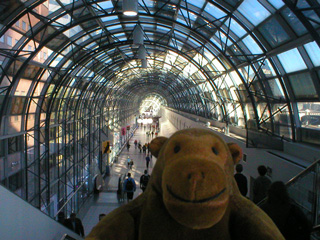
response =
{"points": [[314, 52], [309, 14], [106, 4], [273, 32], [214, 11], [293, 21], [276, 88], [276, 3], [253, 11], [309, 114], [148, 3], [252, 45], [292, 61], [197, 3], [236, 28], [302, 85]]}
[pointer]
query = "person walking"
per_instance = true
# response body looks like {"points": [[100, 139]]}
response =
{"points": [[128, 161], [129, 186], [135, 144], [101, 215], [241, 180], [139, 146], [144, 179], [128, 145], [76, 224], [289, 218], [261, 185], [144, 148], [64, 221], [131, 164], [147, 160]]}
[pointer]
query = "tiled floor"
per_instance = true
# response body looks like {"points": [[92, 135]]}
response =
{"points": [[107, 200]]}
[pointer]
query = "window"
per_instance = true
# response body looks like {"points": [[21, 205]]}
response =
{"points": [[29, 48], [236, 28], [293, 21], [273, 32], [302, 85], [276, 3], [44, 56], [292, 61], [252, 45], [9, 40], [2, 39], [276, 88], [24, 25], [253, 11], [17, 24], [314, 53], [198, 3], [14, 145]]}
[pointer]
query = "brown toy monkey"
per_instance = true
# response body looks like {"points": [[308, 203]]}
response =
{"points": [[191, 195]]}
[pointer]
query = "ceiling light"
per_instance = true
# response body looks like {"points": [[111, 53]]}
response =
{"points": [[142, 52], [144, 63], [138, 35], [130, 7]]}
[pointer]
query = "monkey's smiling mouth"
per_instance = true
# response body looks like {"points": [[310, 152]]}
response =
{"points": [[196, 201]]}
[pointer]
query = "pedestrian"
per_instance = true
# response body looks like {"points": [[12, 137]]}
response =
{"points": [[144, 179], [66, 222], [261, 185], [128, 161], [148, 147], [241, 180], [144, 148], [152, 134], [135, 144], [129, 187], [147, 160], [131, 164], [128, 145], [289, 218], [101, 215], [139, 146], [76, 224]]}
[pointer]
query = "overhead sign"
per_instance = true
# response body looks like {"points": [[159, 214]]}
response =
{"points": [[106, 147]]}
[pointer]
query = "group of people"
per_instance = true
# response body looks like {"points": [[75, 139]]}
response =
{"points": [[73, 223], [274, 199], [129, 185]]}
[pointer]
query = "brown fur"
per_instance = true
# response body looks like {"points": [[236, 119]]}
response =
{"points": [[191, 195]]}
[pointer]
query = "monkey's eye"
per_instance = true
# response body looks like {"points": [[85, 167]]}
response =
{"points": [[214, 150], [176, 149]]}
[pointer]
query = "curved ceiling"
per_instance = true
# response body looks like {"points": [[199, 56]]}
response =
{"points": [[250, 63]]}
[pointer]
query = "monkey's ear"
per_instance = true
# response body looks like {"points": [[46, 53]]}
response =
{"points": [[236, 152], [156, 144]]}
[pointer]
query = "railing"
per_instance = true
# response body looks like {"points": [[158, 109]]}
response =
{"points": [[67, 237], [304, 190]]}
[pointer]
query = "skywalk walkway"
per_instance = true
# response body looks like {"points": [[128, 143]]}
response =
{"points": [[107, 200]]}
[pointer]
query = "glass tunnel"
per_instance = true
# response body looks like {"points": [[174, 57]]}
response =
{"points": [[73, 72]]}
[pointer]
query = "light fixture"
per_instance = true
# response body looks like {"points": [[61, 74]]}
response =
{"points": [[144, 63], [130, 7], [142, 52], [138, 36]]}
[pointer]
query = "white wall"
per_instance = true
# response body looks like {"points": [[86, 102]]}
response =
{"points": [[21, 221]]}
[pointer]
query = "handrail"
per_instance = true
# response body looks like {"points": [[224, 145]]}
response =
{"points": [[67, 237], [302, 174], [69, 199]]}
